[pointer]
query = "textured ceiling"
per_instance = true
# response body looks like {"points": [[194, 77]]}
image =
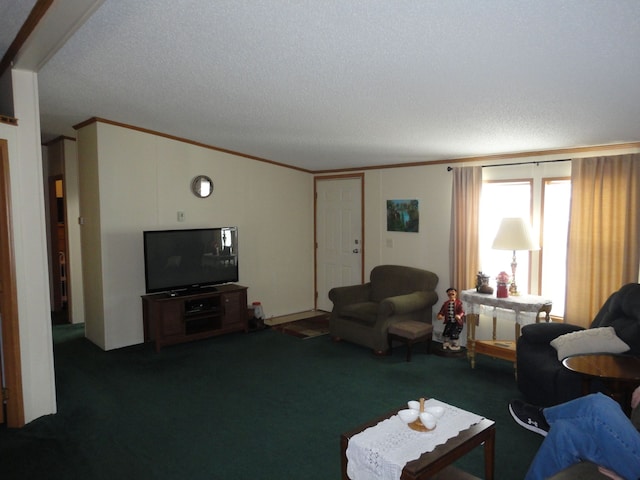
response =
{"points": [[13, 13], [341, 84]]}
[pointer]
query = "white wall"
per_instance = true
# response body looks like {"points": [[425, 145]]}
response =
{"points": [[90, 236], [134, 181], [429, 247], [74, 257], [30, 249]]}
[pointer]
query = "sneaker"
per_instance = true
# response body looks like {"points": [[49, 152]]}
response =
{"points": [[529, 417], [455, 347], [446, 345]]}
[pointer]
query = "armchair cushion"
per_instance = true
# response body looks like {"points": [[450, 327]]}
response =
{"points": [[364, 311], [592, 340]]}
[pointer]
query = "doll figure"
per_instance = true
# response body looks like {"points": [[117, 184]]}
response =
{"points": [[453, 316]]}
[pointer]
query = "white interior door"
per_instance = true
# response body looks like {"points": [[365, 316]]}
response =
{"points": [[339, 242]]}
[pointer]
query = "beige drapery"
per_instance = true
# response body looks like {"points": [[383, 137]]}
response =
{"points": [[465, 219], [603, 250]]}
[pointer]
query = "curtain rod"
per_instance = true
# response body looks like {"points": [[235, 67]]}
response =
{"points": [[521, 163]]}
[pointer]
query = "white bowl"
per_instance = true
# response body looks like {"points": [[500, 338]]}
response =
{"points": [[435, 411], [428, 420], [408, 415], [414, 405]]}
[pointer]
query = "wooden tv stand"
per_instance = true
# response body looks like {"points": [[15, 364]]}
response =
{"points": [[177, 319]]}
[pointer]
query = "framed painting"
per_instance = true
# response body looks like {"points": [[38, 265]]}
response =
{"points": [[403, 216]]}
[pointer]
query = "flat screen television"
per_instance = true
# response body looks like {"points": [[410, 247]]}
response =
{"points": [[182, 261]]}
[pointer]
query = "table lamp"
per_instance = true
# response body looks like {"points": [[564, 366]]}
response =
{"points": [[514, 234]]}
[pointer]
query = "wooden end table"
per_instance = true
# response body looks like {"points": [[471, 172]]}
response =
{"points": [[620, 373], [437, 464]]}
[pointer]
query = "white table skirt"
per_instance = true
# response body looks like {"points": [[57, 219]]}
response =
{"points": [[522, 309]]}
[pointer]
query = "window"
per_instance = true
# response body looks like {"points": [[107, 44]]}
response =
{"points": [[546, 206], [498, 200], [556, 198]]}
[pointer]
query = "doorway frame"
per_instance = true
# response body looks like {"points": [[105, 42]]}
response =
{"points": [[321, 178], [9, 302], [58, 303]]}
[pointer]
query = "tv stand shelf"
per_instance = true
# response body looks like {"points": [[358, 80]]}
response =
{"points": [[169, 320]]}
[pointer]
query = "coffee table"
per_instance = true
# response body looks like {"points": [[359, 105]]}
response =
{"points": [[437, 464], [620, 373]]}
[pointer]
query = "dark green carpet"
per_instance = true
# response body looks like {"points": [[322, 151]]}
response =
{"points": [[262, 405]]}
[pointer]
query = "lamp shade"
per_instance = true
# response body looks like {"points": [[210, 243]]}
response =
{"points": [[514, 234]]}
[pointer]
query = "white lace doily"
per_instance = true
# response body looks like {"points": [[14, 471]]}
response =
{"points": [[381, 452], [522, 309]]}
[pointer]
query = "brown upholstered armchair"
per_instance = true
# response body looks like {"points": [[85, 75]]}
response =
{"points": [[362, 313]]}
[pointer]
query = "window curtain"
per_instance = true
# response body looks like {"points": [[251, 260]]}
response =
{"points": [[604, 232], [465, 218]]}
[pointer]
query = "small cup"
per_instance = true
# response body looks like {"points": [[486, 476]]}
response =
{"points": [[408, 415], [435, 411], [428, 420]]}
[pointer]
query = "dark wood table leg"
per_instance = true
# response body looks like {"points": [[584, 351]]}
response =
{"points": [[489, 455]]}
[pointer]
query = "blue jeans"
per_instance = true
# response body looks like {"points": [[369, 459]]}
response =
{"points": [[592, 428]]}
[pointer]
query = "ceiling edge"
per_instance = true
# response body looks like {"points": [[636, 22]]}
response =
{"points": [[475, 159]]}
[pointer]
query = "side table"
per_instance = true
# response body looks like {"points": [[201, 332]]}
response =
{"points": [[620, 374], [503, 349]]}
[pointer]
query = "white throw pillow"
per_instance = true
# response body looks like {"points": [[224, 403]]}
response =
{"points": [[591, 340]]}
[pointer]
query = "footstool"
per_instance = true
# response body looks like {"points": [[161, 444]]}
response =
{"points": [[410, 332]]}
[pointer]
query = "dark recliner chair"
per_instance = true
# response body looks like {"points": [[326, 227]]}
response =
{"points": [[542, 378], [362, 314]]}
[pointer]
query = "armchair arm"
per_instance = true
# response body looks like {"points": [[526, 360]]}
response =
{"points": [[350, 294], [546, 332], [408, 303]]}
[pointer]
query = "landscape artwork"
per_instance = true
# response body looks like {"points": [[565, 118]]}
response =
{"points": [[403, 216]]}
